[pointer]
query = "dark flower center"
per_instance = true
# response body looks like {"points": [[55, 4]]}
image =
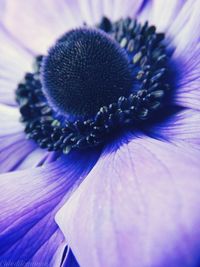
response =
{"points": [[85, 70], [94, 82]]}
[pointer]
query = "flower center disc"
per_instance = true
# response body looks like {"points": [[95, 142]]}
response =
{"points": [[85, 70]]}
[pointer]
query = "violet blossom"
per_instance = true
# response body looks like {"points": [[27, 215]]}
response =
{"points": [[99, 140]]}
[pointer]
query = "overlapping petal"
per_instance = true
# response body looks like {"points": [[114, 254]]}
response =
{"points": [[16, 152], [184, 30], [138, 208], [13, 151], [185, 40], [70, 260], [187, 92], [28, 202], [10, 121], [160, 13], [44, 22], [48, 20], [14, 62], [182, 126], [125, 8]]}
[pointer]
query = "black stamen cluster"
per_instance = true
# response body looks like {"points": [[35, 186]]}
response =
{"points": [[148, 60]]}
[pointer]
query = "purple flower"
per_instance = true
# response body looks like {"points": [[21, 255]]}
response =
{"points": [[91, 186]]}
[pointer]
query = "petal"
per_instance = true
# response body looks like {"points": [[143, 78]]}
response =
{"points": [[97, 8], [44, 22], [125, 8], [160, 13], [187, 90], [35, 158], [13, 151], [185, 39], [70, 260], [47, 21], [86, 11], [9, 121], [14, 62], [93, 10], [182, 126], [16, 152], [184, 30], [138, 207], [28, 202], [163, 14]]}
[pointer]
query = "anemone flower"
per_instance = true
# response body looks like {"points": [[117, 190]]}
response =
{"points": [[99, 153]]}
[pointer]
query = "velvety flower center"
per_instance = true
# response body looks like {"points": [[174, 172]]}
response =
{"points": [[92, 83], [85, 70]]}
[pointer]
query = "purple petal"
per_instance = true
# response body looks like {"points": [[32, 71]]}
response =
{"points": [[44, 22], [185, 39], [97, 10], [85, 11], [47, 21], [184, 30], [187, 90], [182, 126], [14, 61], [28, 202], [16, 152], [9, 121], [70, 260], [13, 151], [138, 207], [124, 8], [160, 14], [93, 11], [36, 158]]}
